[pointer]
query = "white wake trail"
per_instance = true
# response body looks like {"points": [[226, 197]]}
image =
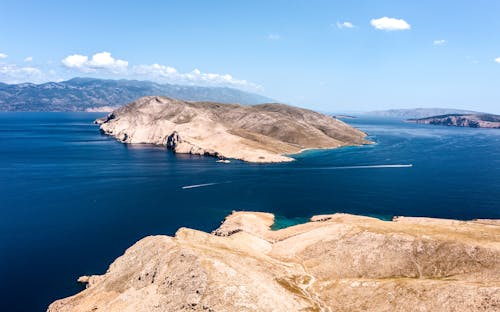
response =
{"points": [[319, 168], [371, 167], [202, 185]]}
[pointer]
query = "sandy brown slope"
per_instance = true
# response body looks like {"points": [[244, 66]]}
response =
{"points": [[334, 263], [259, 133]]}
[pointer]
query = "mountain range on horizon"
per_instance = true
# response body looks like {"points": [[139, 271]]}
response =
{"points": [[92, 94], [101, 95], [416, 113], [462, 120]]}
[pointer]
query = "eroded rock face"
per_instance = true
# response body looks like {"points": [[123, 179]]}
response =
{"points": [[259, 133], [335, 263]]}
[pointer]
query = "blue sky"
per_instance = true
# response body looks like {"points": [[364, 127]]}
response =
{"points": [[326, 55]]}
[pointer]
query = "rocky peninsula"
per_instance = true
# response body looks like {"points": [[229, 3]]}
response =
{"points": [[462, 120], [259, 133], [336, 262]]}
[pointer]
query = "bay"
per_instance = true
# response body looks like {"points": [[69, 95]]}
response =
{"points": [[73, 199]]}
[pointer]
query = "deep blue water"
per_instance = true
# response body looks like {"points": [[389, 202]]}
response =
{"points": [[72, 199]]}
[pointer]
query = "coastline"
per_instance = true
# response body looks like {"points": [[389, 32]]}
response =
{"points": [[228, 131], [152, 177], [341, 260], [329, 148]]}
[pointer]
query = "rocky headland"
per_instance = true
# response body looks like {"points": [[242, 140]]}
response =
{"points": [[259, 133], [462, 120], [336, 262]]}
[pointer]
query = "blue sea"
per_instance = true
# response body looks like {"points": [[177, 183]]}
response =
{"points": [[73, 199]]}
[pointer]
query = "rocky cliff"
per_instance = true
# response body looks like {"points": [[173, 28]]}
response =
{"points": [[258, 133], [333, 263], [462, 120]]}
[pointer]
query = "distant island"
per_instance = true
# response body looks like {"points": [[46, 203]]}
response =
{"points": [[344, 116], [94, 95], [336, 262], [258, 133], [415, 113], [462, 120]]}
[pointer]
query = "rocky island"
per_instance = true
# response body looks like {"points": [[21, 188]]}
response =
{"points": [[258, 133], [336, 262], [462, 120], [416, 113]]}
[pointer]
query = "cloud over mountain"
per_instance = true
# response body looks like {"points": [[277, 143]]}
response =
{"points": [[105, 63], [163, 73], [16, 74], [99, 61]]}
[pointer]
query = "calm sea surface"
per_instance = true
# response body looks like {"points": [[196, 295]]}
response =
{"points": [[72, 199]]}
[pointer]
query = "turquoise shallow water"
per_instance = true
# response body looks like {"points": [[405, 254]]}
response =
{"points": [[72, 199]]}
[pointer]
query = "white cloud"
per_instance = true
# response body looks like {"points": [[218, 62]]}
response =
{"points": [[75, 61], [99, 61], [439, 42], [155, 70], [104, 64], [11, 73], [341, 25], [3, 55], [162, 73], [273, 37], [105, 60], [28, 59], [389, 24], [497, 60]]}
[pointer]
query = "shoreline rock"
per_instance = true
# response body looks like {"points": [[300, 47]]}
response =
{"points": [[336, 262], [264, 133]]}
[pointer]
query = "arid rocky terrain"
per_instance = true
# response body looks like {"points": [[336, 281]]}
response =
{"points": [[335, 262], [259, 133]]}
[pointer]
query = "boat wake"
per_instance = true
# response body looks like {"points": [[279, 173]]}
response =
{"points": [[203, 185], [317, 168], [369, 167]]}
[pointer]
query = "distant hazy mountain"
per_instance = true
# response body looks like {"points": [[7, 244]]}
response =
{"points": [[80, 94], [415, 113], [462, 120]]}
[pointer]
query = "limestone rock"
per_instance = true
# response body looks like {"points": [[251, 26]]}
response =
{"points": [[338, 262], [259, 133]]}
